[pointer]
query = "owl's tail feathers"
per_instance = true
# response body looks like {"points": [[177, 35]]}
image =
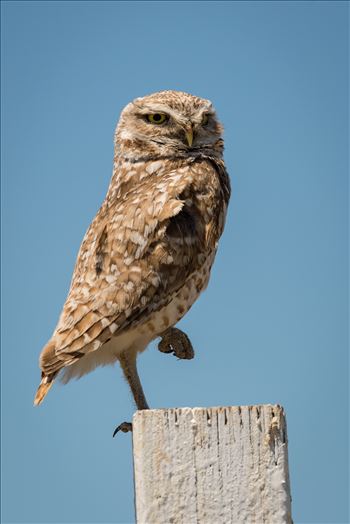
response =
{"points": [[43, 389], [50, 366]]}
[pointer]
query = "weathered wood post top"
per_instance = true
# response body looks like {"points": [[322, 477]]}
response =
{"points": [[211, 466]]}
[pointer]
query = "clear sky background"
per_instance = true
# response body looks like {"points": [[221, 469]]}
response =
{"points": [[272, 326]]}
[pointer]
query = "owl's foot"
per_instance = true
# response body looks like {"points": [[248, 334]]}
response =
{"points": [[177, 342], [125, 427]]}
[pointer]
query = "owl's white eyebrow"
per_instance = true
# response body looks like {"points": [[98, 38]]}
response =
{"points": [[159, 108], [206, 110]]}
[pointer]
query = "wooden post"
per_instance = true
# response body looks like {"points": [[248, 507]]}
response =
{"points": [[211, 466]]}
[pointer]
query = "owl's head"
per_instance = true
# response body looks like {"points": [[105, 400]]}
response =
{"points": [[168, 123]]}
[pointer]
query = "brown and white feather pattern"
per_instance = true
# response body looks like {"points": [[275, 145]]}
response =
{"points": [[148, 253]]}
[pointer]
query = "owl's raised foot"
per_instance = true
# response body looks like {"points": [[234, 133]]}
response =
{"points": [[177, 342], [125, 427]]}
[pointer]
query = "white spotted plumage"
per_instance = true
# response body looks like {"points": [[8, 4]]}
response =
{"points": [[148, 253]]}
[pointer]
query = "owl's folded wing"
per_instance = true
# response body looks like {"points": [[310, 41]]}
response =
{"points": [[135, 256]]}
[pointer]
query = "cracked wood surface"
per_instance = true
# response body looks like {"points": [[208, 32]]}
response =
{"points": [[211, 465]]}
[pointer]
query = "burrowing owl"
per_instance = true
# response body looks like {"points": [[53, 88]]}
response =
{"points": [[148, 253]]}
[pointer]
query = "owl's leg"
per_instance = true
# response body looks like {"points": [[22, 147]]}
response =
{"points": [[127, 361], [177, 342]]}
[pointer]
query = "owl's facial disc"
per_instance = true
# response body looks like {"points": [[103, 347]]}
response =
{"points": [[185, 131], [170, 123]]}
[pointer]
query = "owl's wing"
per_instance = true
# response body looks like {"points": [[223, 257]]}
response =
{"points": [[137, 253]]}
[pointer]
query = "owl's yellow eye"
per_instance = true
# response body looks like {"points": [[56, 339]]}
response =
{"points": [[205, 119], [157, 118]]}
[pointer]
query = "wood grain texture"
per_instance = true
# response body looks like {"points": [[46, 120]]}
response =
{"points": [[211, 465]]}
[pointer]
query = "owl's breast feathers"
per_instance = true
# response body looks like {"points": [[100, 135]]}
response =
{"points": [[158, 225]]}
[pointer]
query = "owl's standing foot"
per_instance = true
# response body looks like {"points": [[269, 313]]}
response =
{"points": [[177, 342], [125, 427], [127, 360]]}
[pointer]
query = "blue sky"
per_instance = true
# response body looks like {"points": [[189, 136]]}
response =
{"points": [[272, 326]]}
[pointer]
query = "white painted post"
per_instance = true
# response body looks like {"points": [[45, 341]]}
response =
{"points": [[211, 466]]}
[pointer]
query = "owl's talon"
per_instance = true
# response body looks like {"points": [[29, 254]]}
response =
{"points": [[125, 427], [177, 342]]}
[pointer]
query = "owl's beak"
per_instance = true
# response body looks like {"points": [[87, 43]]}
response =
{"points": [[189, 136]]}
